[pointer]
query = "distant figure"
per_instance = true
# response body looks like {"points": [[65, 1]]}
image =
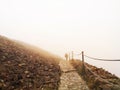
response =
{"points": [[66, 56]]}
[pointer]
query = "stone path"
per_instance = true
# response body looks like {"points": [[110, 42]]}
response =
{"points": [[70, 80]]}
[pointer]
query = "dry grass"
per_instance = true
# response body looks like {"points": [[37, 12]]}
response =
{"points": [[24, 67], [97, 78]]}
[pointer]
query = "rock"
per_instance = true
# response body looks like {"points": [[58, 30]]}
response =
{"points": [[21, 64], [26, 72], [46, 68], [116, 87], [28, 76], [3, 57]]}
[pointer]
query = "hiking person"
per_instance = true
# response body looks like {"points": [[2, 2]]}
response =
{"points": [[66, 56]]}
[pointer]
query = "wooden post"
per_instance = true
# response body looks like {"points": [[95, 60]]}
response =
{"points": [[83, 66], [72, 55], [82, 57]]}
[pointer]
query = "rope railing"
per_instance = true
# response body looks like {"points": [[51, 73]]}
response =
{"points": [[84, 66], [98, 59], [92, 58]]}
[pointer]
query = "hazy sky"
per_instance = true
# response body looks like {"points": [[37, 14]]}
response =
{"points": [[60, 26]]}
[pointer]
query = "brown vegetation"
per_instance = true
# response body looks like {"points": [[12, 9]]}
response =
{"points": [[24, 68], [97, 78]]}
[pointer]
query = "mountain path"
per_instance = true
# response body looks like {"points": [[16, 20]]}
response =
{"points": [[70, 80]]}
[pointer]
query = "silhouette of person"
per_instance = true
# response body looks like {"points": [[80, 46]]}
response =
{"points": [[66, 56]]}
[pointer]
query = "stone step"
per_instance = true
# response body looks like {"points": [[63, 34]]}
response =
{"points": [[70, 80]]}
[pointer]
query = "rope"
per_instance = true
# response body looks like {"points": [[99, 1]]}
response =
{"points": [[102, 59]]}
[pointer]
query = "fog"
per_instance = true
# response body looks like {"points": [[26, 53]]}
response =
{"points": [[61, 26]]}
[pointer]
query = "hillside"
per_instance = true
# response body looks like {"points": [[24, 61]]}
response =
{"points": [[96, 78], [23, 67]]}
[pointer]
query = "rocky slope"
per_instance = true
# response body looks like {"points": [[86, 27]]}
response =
{"points": [[96, 78], [24, 68]]}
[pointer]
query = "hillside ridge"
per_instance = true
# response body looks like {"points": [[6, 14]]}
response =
{"points": [[96, 78], [22, 68]]}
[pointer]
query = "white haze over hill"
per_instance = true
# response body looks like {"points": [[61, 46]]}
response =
{"points": [[60, 26]]}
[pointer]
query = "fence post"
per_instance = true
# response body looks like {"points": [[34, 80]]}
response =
{"points": [[82, 57], [83, 65], [72, 55]]}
